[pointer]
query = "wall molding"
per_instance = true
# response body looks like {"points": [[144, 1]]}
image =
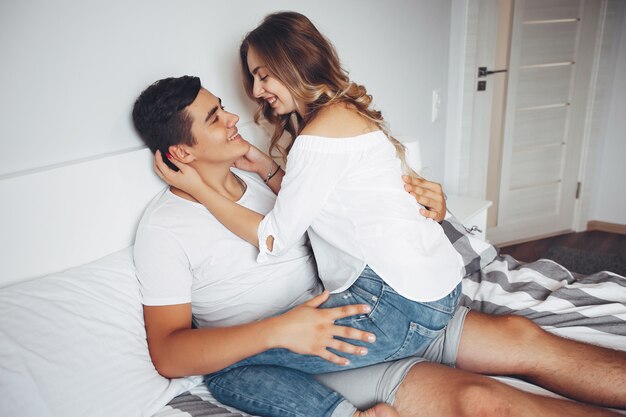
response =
{"points": [[606, 227]]}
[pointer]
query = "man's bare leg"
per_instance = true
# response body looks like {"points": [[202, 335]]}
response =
{"points": [[435, 390], [511, 345]]}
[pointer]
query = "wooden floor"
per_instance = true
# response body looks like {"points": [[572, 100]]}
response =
{"points": [[595, 241]]}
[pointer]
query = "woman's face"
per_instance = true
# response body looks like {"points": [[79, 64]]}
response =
{"points": [[270, 89]]}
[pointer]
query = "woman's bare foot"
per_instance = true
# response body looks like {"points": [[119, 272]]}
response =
{"points": [[379, 410]]}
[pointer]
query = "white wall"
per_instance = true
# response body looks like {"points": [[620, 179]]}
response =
{"points": [[609, 197], [71, 69]]}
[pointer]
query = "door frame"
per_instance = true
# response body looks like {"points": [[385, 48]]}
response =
{"points": [[470, 178]]}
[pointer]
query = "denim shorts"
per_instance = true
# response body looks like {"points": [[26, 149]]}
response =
{"points": [[262, 384], [370, 385], [402, 327]]}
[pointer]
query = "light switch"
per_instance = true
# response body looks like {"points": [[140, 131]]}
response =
{"points": [[436, 105]]}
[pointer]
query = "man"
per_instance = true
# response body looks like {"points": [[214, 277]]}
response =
{"points": [[191, 268]]}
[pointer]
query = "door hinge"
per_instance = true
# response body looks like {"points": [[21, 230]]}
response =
{"points": [[578, 185]]}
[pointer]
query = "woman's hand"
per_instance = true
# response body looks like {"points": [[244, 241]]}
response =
{"points": [[428, 194], [256, 161], [186, 179], [309, 330]]}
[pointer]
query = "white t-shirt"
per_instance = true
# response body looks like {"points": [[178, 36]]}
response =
{"points": [[184, 255], [349, 194]]}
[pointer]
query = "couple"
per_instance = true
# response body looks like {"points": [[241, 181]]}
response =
{"points": [[193, 270]]}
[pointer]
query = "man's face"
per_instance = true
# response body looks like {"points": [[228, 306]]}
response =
{"points": [[215, 130]]}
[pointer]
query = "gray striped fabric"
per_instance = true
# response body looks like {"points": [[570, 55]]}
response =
{"points": [[197, 406], [476, 253], [549, 295]]}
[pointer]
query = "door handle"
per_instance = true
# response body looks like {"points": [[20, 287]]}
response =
{"points": [[483, 72]]}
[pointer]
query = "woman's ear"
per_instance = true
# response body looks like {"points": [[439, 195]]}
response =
{"points": [[181, 153]]}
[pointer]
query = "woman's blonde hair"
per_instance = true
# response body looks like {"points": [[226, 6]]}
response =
{"points": [[301, 58]]}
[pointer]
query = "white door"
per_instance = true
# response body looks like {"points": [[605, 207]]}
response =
{"points": [[549, 73]]}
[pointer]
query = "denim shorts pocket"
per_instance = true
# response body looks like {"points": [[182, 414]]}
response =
{"points": [[417, 339], [447, 304], [359, 293], [349, 299], [352, 299], [434, 319], [367, 291]]}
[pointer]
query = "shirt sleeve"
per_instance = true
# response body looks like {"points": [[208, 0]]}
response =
{"points": [[310, 178], [163, 268]]}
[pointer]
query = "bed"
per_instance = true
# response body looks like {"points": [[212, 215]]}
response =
{"points": [[71, 322]]}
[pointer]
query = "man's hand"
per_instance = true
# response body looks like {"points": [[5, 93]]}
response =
{"points": [[309, 330], [428, 194]]}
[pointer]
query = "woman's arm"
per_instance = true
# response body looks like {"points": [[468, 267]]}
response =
{"points": [[238, 219], [245, 223], [264, 166], [427, 193], [177, 350], [303, 194]]}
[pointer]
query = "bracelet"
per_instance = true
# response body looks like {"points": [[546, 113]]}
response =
{"points": [[270, 174]]}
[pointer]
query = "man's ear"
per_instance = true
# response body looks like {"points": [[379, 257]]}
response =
{"points": [[181, 153]]}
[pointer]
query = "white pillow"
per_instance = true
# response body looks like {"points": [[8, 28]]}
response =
{"points": [[74, 344]]}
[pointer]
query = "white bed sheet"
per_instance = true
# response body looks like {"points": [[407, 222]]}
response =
{"points": [[74, 345]]}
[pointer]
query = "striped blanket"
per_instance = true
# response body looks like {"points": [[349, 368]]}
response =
{"points": [[590, 308]]}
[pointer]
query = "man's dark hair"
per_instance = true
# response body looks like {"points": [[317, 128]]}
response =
{"points": [[159, 113]]}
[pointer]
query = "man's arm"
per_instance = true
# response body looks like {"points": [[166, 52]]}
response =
{"points": [[179, 350], [165, 277]]}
